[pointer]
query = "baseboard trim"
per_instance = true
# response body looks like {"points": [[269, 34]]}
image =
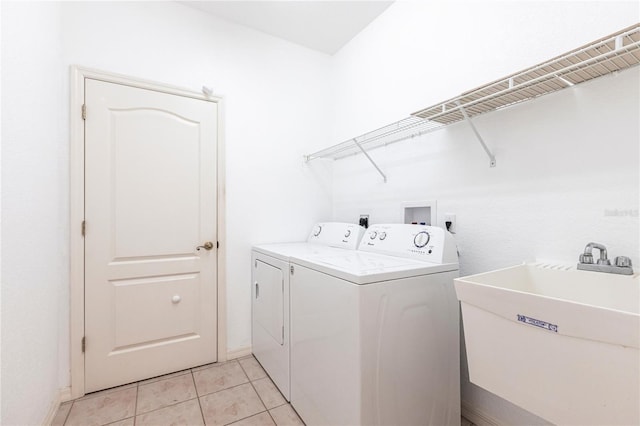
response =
{"points": [[239, 353], [477, 416], [63, 395]]}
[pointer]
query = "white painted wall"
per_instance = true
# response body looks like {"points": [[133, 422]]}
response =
{"points": [[0, 217], [275, 95], [564, 161], [34, 266]]}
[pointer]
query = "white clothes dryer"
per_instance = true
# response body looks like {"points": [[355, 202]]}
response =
{"points": [[270, 293], [375, 332]]}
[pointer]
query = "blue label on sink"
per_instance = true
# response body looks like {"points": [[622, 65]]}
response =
{"points": [[538, 323]]}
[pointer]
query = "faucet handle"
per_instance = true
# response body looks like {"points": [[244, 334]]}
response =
{"points": [[586, 258], [623, 262]]}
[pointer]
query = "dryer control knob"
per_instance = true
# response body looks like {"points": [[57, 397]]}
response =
{"points": [[421, 239], [317, 230], [383, 235], [346, 234], [373, 235]]}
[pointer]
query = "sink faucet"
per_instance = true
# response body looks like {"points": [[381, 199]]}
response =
{"points": [[587, 257], [622, 263]]}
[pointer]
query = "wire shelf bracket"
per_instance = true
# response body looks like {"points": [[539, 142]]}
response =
{"points": [[492, 158], [364, 151]]}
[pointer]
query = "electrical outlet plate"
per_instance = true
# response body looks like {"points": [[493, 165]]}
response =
{"points": [[364, 220], [450, 217]]}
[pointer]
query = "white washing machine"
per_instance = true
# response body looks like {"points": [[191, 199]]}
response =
{"points": [[375, 332], [270, 293]]}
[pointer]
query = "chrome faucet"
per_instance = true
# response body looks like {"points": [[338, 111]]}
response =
{"points": [[587, 257], [622, 264]]}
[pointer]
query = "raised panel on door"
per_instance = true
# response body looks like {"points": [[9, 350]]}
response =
{"points": [[150, 200]]}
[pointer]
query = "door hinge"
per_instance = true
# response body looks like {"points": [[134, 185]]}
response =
{"points": [[84, 340], [84, 228], [291, 269], [84, 112], [217, 244]]}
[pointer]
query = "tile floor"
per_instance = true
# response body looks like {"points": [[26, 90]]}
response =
{"points": [[236, 392]]}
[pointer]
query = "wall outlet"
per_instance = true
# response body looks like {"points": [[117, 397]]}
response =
{"points": [[450, 222], [364, 220]]}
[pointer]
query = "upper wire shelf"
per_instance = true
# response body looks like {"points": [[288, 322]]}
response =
{"points": [[607, 55]]}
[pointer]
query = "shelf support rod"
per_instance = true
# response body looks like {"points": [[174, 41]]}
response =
{"points": [[492, 158], [370, 159]]}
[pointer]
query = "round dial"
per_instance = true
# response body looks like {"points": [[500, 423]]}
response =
{"points": [[317, 230], [346, 234], [421, 239], [383, 235], [373, 235]]}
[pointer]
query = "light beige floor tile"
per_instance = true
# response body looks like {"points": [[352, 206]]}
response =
{"points": [[165, 392], [164, 377], [465, 422], [230, 405], [252, 368], [262, 419], [269, 393], [285, 416], [219, 377], [185, 413], [105, 408], [125, 422], [61, 414], [213, 364], [108, 391]]}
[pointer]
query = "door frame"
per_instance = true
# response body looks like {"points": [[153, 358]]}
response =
{"points": [[76, 198]]}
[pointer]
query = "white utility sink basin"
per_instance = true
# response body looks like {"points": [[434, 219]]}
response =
{"points": [[558, 342]]}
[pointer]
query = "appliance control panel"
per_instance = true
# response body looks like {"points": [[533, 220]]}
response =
{"points": [[336, 234], [420, 242]]}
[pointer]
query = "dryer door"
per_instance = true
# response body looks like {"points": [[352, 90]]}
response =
{"points": [[270, 322], [268, 304]]}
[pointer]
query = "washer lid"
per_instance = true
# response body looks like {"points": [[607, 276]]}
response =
{"points": [[284, 251], [365, 268], [324, 235]]}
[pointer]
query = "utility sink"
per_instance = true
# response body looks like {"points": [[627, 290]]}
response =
{"points": [[561, 343]]}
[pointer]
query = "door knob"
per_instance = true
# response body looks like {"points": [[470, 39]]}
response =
{"points": [[207, 246]]}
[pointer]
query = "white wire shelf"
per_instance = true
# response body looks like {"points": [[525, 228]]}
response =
{"points": [[610, 54]]}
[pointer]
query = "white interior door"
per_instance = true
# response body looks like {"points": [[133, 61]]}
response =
{"points": [[150, 200]]}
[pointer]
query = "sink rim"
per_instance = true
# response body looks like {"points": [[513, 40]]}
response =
{"points": [[526, 268]]}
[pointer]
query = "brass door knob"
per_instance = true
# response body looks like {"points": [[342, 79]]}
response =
{"points": [[207, 246]]}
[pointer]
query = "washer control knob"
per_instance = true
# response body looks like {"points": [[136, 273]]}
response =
{"points": [[421, 239], [346, 234], [383, 235], [373, 235], [317, 230]]}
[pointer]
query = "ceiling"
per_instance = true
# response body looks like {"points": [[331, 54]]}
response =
{"points": [[324, 26]]}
